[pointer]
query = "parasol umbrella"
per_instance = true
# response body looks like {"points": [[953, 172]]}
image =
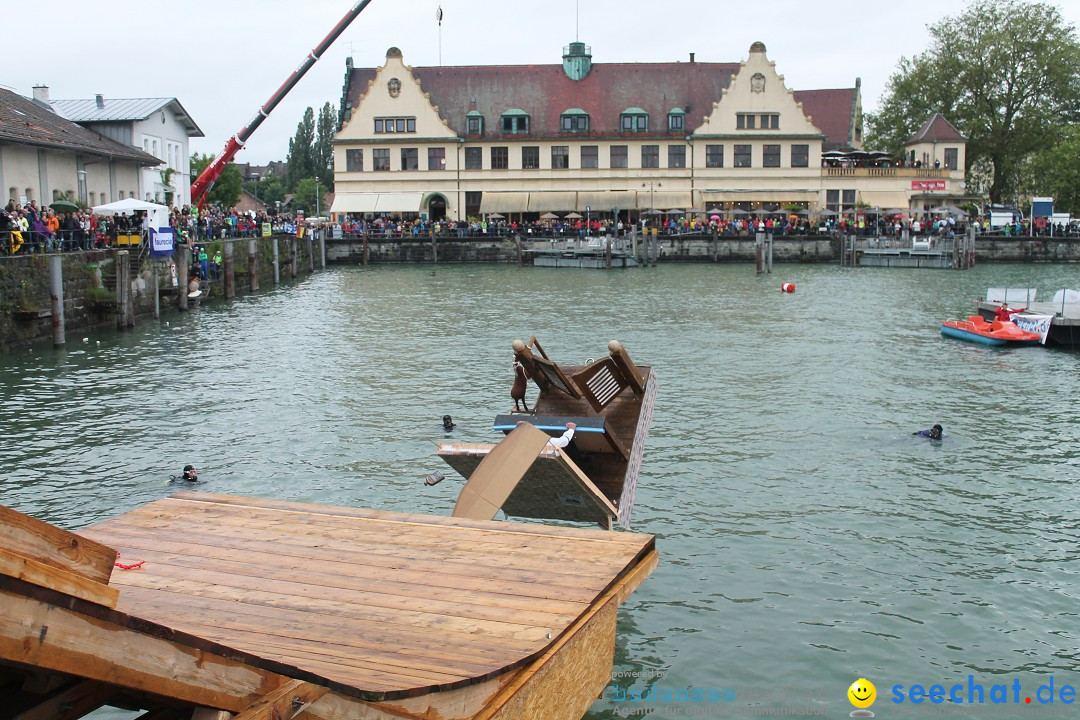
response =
{"points": [[496, 216], [549, 216], [826, 212], [695, 211], [573, 216], [714, 217], [740, 211], [943, 210], [675, 212], [895, 211], [64, 206], [653, 212]]}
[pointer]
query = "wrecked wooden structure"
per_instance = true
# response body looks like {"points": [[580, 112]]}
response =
{"points": [[260, 609], [594, 479]]}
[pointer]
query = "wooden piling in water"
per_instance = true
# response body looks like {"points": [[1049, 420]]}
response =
{"points": [[293, 258], [183, 263], [365, 245], [157, 292], [230, 278], [125, 308], [434, 248], [56, 294], [322, 250], [759, 242], [715, 245], [252, 267], [769, 254], [277, 263], [607, 251], [520, 256]]}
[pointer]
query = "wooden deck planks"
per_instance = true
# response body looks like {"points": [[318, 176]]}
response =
{"points": [[382, 602]]}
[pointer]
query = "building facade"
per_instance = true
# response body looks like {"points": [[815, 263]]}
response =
{"points": [[44, 158], [161, 127], [521, 141]]}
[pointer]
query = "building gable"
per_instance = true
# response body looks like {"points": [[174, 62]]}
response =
{"points": [[757, 90], [394, 92]]}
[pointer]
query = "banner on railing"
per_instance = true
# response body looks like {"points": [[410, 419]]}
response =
{"points": [[1034, 323], [267, 231], [925, 185], [162, 242]]}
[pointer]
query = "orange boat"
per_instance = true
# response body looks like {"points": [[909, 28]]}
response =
{"points": [[998, 332]]}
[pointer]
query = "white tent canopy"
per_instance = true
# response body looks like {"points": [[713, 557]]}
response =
{"points": [[127, 206]]}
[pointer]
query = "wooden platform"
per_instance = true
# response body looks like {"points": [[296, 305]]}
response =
{"points": [[374, 614]]}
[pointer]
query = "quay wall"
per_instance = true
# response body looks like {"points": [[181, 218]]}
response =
{"points": [[677, 248], [90, 284]]}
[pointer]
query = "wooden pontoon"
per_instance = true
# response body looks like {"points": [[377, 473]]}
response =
{"points": [[274, 609], [592, 480]]}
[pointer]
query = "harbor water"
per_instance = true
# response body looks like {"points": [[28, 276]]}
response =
{"points": [[807, 539]]}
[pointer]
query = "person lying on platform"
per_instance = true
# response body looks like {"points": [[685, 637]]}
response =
{"points": [[934, 433]]}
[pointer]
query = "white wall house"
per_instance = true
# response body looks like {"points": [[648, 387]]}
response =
{"points": [[44, 158], [160, 127]]}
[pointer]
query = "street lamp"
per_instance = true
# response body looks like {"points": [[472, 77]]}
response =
{"points": [[316, 197]]}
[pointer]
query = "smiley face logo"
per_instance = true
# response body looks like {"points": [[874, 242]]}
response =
{"points": [[862, 693]]}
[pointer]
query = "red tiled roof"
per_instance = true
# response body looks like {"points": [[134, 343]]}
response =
{"points": [[831, 112], [545, 92], [936, 129]]}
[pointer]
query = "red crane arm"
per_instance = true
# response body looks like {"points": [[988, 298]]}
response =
{"points": [[202, 185]]}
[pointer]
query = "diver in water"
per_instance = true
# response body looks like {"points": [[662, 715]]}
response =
{"points": [[448, 423], [190, 474], [934, 433]]}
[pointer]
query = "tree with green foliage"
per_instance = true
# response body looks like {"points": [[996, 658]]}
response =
{"points": [[227, 189], [324, 145], [1006, 73], [301, 158], [304, 197], [270, 189], [1055, 172]]}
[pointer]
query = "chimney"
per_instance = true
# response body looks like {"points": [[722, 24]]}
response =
{"points": [[100, 100], [691, 57], [41, 94]]}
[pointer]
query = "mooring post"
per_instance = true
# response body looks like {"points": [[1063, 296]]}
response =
{"points": [[715, 244], [294, 253], [759, 242], [971, 238], [157, 292], [183, 264], [230, 278], [768, 265], [521, 258], [363, 231], [434, 249], [124, 312], [56, 294], [277, 263], [607, 251], [252, 266], [956, 254], [311, 253], [322, 249]]}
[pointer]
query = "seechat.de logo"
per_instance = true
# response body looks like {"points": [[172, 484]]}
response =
{"points": [[862, 695]]}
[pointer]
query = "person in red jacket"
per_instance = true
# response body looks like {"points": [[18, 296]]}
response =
{"points": [[1004, 313]]}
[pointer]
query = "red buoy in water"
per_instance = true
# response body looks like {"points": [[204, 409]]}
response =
{"points": [[788, 287]]}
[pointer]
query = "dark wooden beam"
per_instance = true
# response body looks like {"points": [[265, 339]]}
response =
{"points": [[69, 703]]}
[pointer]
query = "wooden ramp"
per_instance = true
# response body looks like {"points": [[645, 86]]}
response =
{"points": [[248, 605]]}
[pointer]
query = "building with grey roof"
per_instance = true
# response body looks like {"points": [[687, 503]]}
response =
{"points": [[45, 157], [161, 127]]}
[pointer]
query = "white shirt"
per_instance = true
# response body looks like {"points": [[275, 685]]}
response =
{"points": [[563, 440]]}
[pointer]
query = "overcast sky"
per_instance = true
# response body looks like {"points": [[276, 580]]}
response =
{"points": [[223, 59]]}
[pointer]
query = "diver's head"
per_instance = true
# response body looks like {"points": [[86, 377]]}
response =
{"points": [[935, 432]]}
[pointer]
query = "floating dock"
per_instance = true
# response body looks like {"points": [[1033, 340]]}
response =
{"points": [[274, 609]]}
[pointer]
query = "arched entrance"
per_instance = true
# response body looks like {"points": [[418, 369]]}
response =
{"points": [[436, 207]]}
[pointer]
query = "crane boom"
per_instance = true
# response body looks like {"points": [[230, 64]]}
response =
{"points": [[202, 185]]}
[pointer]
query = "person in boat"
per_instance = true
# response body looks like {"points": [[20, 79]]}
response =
{"points": [[934, 433], [1004, 313], [190, 474]]}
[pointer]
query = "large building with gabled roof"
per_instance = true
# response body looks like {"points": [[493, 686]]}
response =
{"points": [[524, 140], [45, 157], [160, 126]]}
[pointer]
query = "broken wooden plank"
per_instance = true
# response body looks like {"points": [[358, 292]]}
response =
{"points": [[49, 544], [18, 566], [499, 473]]}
